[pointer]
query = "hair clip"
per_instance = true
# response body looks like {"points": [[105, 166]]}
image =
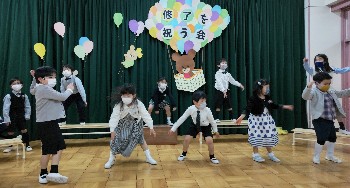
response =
{"points": [[259, 83]]}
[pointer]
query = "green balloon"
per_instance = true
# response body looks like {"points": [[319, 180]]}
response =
{"points": [[217, 32], [200, 5], [79, 51], [204, 43], [118, 19], [224, 13], [171, 4], [166, 41]]}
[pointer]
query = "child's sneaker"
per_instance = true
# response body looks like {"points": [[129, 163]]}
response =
{"points": [[42, 179], [316, 159], [334, 159], [170, 123], [346, 132], [257, 158], [181, 157], [82, 123], [273, 158], [233, 120], [7, 150], [217, 121], [57, 178], [109, 163], [214, 160], [28, 148]]}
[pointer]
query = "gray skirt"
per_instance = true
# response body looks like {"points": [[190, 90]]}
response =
{"points": [[129, 133]]}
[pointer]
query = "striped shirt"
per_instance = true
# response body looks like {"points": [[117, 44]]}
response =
{"points": [[329, 108]]}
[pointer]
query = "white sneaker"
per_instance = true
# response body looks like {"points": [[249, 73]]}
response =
{"points": [[151, 161], [181, 158], [273, 158], [57, 178], [346, 132], [170, 123], [42, 179], [214, 160], [82, 123], [109, 164], [316, 159], [334, 159], [7, 150], [28, 148], [233, 120], [258, 158], [217, 121]]}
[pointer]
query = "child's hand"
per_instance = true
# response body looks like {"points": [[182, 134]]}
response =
{"points": [[239, 120], [309, 85], [32, 72], [305, 60], [225, 95], [86, 104], [288, 107], [174, 108], [152, 131], [170, 132], [217, 135], [70, 86], [242, 87], [156, 112], [8, 123], [112, 135]]}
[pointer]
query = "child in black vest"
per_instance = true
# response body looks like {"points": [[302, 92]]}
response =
{"points": [[16, 111]]}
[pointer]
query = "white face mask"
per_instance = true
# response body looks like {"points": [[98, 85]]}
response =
{"points": [[203, 105], [162, 85], [223, 66], [51, 82], [17, 87], [127, 100], [67, 73]]}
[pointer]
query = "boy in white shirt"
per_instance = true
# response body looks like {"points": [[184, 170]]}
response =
{"points": [[203, 121]]}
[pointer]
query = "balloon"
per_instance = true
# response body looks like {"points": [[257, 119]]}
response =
{"points": [[181, 1], [149, 23], [82, 40], [224, 13], [133, 25], [79, 51], [188, 46], [118, 19], [171, 3], [217, 9], [39, 49], [140, 28], [88, 46], [59, 28], [159, 26], [215, 15], [153, 32]]}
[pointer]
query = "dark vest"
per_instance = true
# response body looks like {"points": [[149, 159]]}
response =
{"points": [[17, 108]]}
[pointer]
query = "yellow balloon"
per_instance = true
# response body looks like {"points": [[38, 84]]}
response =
{"points": [[39, 49], [177, 6], [153, 32]]}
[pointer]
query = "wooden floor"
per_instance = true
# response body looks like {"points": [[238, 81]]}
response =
{"points": [[83, 162]]}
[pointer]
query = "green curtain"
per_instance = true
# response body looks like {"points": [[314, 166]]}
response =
{"points": [[265, 39]]}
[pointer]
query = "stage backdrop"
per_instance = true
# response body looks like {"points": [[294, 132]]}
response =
{"points": [[265, 39]]}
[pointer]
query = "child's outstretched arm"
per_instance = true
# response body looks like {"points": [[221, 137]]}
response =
{"points": [[172, 100], [146, 117], [308, 93], [307, 67], [234, 82], [341, 70], [6, 109], [81, 89], [28, 109], [55, 95], [114, 120], [32, 86], [179, 121], [213, 124], [343, 93], [246, 110]]}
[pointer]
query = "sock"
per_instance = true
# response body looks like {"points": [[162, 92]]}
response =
{"points": [[230, 114], [25, 138], [54, 169], [211, 156], [43, 171], [184, 153], [341, 126], [168, 118], [216, 114]]}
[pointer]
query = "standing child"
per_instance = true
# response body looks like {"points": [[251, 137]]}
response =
{"points": [[78, 96], [262, 129], [126, 125], [324, 108], [203, 121], [322, 65], [223, 95], [16, 112], [162, 99], [49, 110]]}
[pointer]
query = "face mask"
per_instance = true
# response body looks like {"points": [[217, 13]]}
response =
{"points": [[162, 85], [203, 105], [267, 91], [66, 73], [319, 65], [127, 100], [17, 87], [51, 82], [324, 88], [223, 66]]}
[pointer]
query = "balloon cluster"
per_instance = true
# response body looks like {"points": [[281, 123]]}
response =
{"points": [[136, 27], [186, 24], [84, 48]]}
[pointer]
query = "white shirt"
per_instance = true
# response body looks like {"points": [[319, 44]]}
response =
{"points": [[222, 80], [206, 118], [138, 112]]}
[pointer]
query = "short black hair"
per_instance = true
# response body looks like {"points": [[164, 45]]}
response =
{"points": [[221, 60], [69, 66], [15, 79], [197, 95], [258, 86], [44, 71], [161, 79], [320, 76]]}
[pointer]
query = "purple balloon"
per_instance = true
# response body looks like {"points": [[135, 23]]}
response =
{"points": [[188, 46], [181, 1], [159, 26], [133, 25], [215, 15]]}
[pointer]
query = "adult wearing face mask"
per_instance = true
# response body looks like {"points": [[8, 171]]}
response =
{"points": [[78, 97], [322, 65], [223, 96], [16, 112], [325, 108]]}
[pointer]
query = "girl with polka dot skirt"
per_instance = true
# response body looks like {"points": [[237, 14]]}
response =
{"points": [[261, 126]]}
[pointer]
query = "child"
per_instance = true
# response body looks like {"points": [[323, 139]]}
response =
{"points": [[203, 121], [223, 95], [16, 112], [49, 109], [262, 130], [322, 65], [126, 125], [162, 99], [78, 96], [324, 108]]}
